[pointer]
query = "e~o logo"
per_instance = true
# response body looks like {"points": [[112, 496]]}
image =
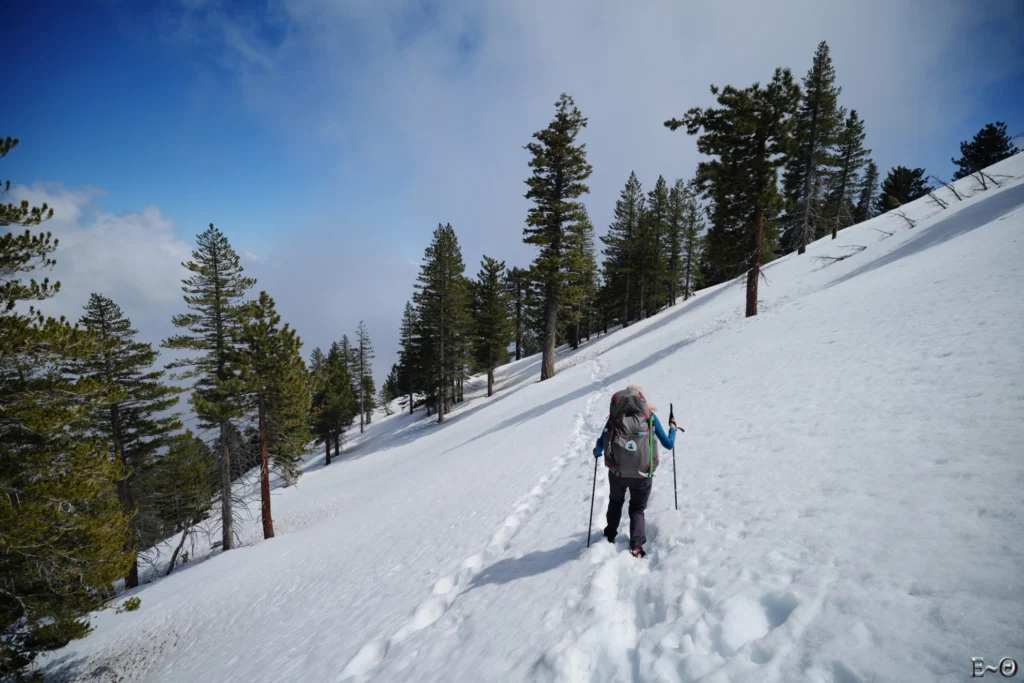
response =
{"points": [[1007, 667]]}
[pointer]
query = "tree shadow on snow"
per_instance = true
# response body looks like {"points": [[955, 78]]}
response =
{"points": [[532, 564]]}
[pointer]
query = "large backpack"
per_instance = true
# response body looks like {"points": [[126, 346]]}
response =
{"points": [[631, 449]]}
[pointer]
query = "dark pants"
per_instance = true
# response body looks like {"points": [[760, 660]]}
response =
{"points": [[639, 491]]}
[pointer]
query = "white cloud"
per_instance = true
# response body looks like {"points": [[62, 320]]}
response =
{"points": [[134, 257]]}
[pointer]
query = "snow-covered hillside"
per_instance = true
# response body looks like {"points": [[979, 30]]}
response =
{"points": [[849, 499]]}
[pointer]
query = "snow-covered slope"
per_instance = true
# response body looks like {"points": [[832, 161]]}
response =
{"points": [[849, 499]]}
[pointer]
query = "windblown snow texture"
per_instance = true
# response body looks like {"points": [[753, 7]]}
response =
{"points": [[849, 488]]}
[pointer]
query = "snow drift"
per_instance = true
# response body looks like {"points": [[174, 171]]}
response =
{"points": [[849, 499]]}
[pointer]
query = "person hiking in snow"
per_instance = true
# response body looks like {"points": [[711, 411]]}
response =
{"points": [[631, 456]]}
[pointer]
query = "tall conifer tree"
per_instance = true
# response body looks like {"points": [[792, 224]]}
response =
{"points": [[620, 245], [442, 300], [842, 183], [560, 170], [580, 289], [364, 354], [818, 124], [750, 133], [492, 329], [215, 293], [408, 362], [133, 421], [517, 282], [275, 377], [868, 193]]}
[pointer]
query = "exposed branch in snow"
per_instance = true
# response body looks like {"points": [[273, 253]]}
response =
{"points": [[948, 187], [980, 177], [829, 260], [994, 181], [904, 216], [884, 232], [174, 557], [934, 198]]}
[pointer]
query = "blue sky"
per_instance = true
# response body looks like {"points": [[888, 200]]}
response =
{"points": [[328, 139]]}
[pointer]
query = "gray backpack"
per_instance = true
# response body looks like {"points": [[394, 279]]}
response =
{"points": [[632, 451]]}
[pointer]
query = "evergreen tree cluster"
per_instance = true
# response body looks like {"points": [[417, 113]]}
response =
{"points": [[652, 250], [825, 170], [95, 463], [342, 389]]}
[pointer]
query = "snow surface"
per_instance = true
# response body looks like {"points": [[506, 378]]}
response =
{"points": [[849, 499]]}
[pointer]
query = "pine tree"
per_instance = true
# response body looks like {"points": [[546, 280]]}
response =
{"points": [[408, 361], [62, 528], [674, 238], [215, 294], [850, 158], [392, 388], [989, 145], [319, 424], [868, 188], [275, 378], [334, 402], [364, 354], [560, 168], [818, 124], [517, 283], [902, 185], [492, 329], [750, 133], [580, 288], [133, 421], [691, 225], [623, 234], [442, 300], [652, 253]]}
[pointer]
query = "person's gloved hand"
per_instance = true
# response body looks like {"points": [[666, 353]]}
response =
{"points": [[597, 454], [672, 423]]}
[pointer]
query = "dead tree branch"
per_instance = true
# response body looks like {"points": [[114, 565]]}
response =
{"points": [[934, 198], [884, 232], [904, 216], [829, 260], [948, 187], [174, 557]]}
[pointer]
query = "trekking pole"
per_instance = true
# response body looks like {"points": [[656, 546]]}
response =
{"points": [[675, 490], [593, 492]]}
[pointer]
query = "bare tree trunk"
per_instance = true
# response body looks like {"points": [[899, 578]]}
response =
{"points": [[268, 521], [547, 369], [337, 444], [755, 262], [490, 382], [226, 521], [174, 556], [327, 450]]}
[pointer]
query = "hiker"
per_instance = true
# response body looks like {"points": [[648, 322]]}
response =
{"points": [[631, 457]]}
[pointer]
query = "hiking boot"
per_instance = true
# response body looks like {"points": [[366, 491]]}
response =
{"points": [[610, 537], [637, 552]]}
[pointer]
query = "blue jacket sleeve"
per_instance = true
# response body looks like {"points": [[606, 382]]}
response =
{"points": [[667, 441], [599, 448]]}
